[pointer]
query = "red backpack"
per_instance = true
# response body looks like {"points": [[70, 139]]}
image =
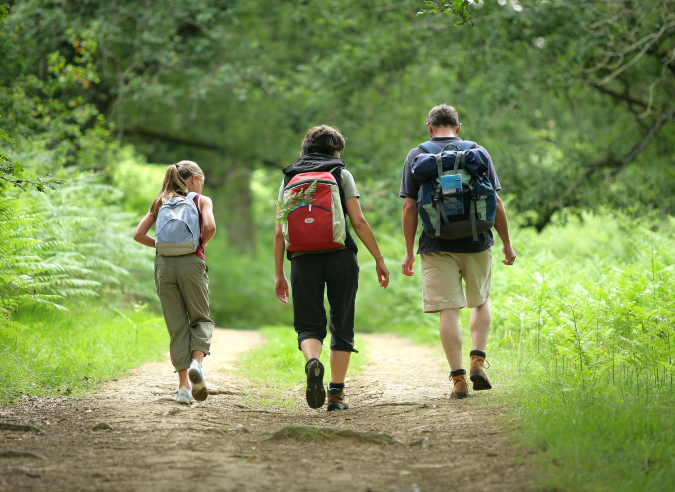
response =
{"points": [[321, 224]]}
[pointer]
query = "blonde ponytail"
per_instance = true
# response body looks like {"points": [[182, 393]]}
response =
{"points": [[175, 183]]}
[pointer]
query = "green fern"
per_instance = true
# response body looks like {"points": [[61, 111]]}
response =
{"points": [[294, 201]]}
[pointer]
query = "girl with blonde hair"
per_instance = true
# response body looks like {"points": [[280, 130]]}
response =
{"points": [[181, 273]]}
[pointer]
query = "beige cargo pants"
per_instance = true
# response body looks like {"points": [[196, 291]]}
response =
{"points": [[183, 288]]}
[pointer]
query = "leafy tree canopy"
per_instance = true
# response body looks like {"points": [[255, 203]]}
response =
{"points": [[571, 98]]}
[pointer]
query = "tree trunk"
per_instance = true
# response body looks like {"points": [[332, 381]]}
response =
{"points": [[235, 200]]}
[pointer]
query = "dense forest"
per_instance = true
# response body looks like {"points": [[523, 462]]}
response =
{"points": [[573, 99]]}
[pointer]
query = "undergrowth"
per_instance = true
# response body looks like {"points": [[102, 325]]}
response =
{"points": [[71, 351]]}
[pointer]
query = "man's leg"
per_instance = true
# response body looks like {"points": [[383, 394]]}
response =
{"points": [[476, 268], [451, 338], [480, 325], [442, 292]]}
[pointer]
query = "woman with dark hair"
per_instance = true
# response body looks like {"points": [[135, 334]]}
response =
{"points": [[316, 196]]}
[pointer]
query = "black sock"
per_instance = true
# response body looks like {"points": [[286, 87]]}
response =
{"points": [[310, 360], [457, 372], [477, 352], [333, 386]]}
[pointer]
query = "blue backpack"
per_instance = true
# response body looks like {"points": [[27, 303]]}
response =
{"points": [[177, 228], [462, 202]]}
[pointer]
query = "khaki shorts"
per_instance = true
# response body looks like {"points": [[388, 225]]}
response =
{"points": [[442, 275]]}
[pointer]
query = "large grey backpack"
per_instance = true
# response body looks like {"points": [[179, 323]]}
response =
{"points": [[177, 228]]}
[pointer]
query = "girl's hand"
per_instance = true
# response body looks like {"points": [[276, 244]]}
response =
{"points": [[281, 289], [382, 273]]}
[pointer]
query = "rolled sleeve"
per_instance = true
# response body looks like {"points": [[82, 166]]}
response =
{"points": [[409, 185]]}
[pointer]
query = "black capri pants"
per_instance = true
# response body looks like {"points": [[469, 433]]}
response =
{"points": [[339, 271]]}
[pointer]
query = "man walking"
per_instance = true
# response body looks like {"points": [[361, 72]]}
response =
{"points": [[446, 262]]}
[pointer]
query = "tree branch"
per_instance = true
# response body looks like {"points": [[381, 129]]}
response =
{"points": [[616, 95], [173, 139]]}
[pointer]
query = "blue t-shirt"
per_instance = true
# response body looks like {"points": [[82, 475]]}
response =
{"points": [[409, 189]]}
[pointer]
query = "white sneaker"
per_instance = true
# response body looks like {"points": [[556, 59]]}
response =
{"points": [[183, 396], [199, 390]]}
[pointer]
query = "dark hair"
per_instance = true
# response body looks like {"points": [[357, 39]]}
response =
{"points": [[323, 139], [443, 115]]}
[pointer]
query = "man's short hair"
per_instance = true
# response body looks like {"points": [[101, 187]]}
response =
{"points": [[443, 115], [323, 139]]}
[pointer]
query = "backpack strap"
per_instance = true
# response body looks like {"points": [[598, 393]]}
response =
{"points": [[430, 147], [337, 174], [466, 145], [440, 208]]}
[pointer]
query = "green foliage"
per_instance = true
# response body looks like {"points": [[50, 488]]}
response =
{"points": [[58, 250], [71, 351], [12, 172], [530, 80], [457, 8], [294, 201], [598, 321]]}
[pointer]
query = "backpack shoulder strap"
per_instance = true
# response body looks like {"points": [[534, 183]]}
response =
{"points": [[190, 197], [430, 147], [466, 145], [337, 174]]}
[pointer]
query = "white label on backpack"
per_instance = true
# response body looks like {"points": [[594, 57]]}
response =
{"points": [[309, 221]]}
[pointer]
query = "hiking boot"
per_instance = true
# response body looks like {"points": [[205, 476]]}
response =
{"points": [[316, 393], [337, 400], [477, 373], [460, 387], [199, 390]]}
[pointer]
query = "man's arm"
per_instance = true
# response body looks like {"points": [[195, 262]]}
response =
{"points": [[409, 221], [502, 227]]}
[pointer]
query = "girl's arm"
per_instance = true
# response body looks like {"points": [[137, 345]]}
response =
{"points": [[141, 232], [280, 284], [208, 220], [365, 233]]}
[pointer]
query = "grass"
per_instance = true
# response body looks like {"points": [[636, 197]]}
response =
{"points": [[588, 442], [277, 367], [68, 352]]}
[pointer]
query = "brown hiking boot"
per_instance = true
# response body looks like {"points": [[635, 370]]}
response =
{"points": [[337, 400], [460, 387], [479, 377]]}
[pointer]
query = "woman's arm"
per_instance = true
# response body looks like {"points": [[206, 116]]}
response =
{"points": [[280, 284], [208, 221], [141, 232], [365, 233]]}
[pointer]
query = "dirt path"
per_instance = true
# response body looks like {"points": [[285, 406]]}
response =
{"points": [[222, 445]]}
